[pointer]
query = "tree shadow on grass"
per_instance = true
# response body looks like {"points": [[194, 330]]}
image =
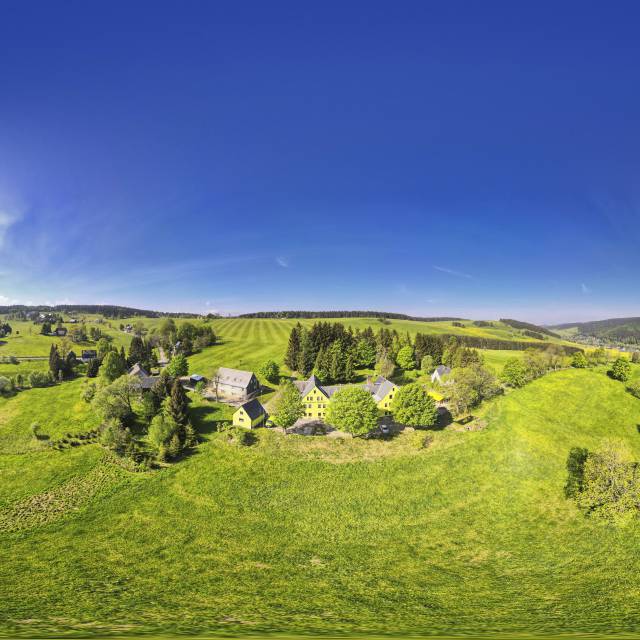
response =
{"points": [[201, 419]]}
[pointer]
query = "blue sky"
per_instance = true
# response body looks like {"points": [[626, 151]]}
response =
{"points": [[463, 158]]}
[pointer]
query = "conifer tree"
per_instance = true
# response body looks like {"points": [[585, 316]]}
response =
{"points": [[293, 348], [305, 355], [54, 361], [178, 405]]}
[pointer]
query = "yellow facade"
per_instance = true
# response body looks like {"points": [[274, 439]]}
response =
{"points": [[241, 419], [315, 404], [384, 404]]}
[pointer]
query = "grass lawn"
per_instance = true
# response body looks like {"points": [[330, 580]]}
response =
{"points": [[471, 534]]}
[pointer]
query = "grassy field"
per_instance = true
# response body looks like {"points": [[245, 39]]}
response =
{"points": [[469, 535], [267, 334], [246, 344]]}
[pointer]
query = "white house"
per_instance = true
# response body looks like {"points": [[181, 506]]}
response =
{"points": [[440, 372]]}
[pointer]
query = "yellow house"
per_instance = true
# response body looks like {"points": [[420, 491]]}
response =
{"points": [[251, 414], [383, 392], [315, 396]]}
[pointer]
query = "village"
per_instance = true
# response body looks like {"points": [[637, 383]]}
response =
{"points": [[242, 390]]}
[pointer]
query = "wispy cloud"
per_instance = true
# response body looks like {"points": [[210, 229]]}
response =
{"points": [[453, 272], [283, 262], [584, 288], [7, 219]]}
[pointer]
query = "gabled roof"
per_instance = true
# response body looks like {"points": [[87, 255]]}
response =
{"points": [[234, 377], [441, 370], [138, 370], [148, 381], [253, 409], [383, 387]]}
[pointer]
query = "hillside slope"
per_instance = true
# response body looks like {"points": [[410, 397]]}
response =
{"points": [[472, 534], [614, 329]]}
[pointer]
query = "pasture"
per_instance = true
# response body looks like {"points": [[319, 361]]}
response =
{"points": [[470, 533]]}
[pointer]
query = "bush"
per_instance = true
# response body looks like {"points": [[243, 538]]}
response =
{"points": [[514, 373], [610, 485], [270, 371], [115, 437], [39, 379], [620, 370], [35, 430], [579, 360], [634, 388], [6, 385]]}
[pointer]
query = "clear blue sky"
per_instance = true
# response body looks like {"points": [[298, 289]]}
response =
{"points": [[479, 159]]}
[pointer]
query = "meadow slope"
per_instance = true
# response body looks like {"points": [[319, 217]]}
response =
{"points": [[469, 535]]}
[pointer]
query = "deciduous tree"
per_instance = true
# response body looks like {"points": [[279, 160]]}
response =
{"points": [[288, 406], [414, 407], [353, 410]]}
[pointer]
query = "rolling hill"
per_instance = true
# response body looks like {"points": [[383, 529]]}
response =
{"points": [[468, 534], [626, 330]]}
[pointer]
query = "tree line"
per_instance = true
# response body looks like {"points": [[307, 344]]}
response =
{"points": [[107, 310], [527, 326], [293, 315]]}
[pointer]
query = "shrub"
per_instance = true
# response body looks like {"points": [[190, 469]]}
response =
{"points": [[579, 360], [610, 485], [620, 370], [88, 392], [39, 379], [115, 437], [634, 388], [270, 371], [35, 430], [514, 373]]}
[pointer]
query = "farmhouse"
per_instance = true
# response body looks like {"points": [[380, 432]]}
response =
{"points": [[251, 414], [235, 383], [440, 372], [383, 391], [315, 396], [145, 378]]}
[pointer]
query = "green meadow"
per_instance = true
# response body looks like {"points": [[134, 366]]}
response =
{"points": [[445, 532], [470, 534]]}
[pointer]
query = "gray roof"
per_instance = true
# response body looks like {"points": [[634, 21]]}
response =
{"points": [[138, 370], [383, 386], [379, 388], [441, 370], [254, 409], [148, 381], [234, 377]]}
